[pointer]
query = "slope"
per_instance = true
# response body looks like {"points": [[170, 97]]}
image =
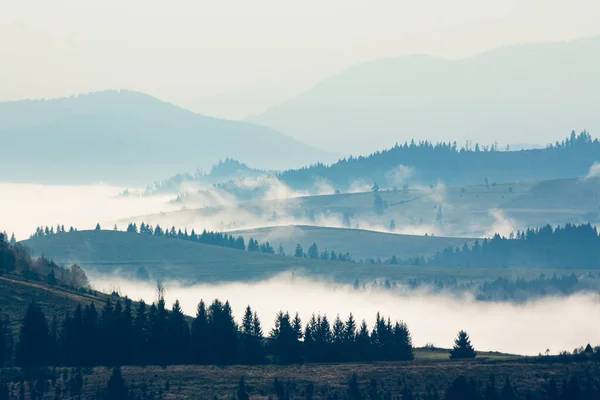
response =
{"points": [[463, 211], [535, 91], [108, 252], [361, 244], [129, 137], [16, 293]]}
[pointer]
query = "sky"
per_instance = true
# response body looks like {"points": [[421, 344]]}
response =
{"points": [[233, 59]]}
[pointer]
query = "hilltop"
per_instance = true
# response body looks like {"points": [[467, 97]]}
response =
{"points": [[361, 244], [511, 93], [455, 211], [130, 137], [142, 256]]}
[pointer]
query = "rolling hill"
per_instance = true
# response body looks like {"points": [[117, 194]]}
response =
{"points": [[129, 137], [446, 211], [361, 244], [107, 252], [459, 211], [534, 91]]}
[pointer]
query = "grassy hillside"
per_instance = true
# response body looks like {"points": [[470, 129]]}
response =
{"points": [[361, 244], [466, 211], [574, 196], [16, 294], [169, 258], [455, 211]]}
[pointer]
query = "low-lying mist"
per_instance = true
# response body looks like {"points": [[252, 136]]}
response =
{"points": [[549, 323], [23, 207]]}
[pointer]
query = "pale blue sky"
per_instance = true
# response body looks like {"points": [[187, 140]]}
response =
{"points": [[235, 58]]}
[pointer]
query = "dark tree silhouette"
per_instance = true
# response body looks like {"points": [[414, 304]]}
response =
{"points": [[33, 347], [116, 388], [462, 347], [242, 394]]}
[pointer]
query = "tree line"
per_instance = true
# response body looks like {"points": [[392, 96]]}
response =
{"points": [[213, 238], [454, 164], [498, 289], [152, 335], [569, 246]]}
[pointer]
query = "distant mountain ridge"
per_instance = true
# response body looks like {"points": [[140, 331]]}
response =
{"points": [[534, 91], [425, 163], [223, 171], [129, 137]]}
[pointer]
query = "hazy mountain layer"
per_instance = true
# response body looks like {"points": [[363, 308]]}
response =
{"points": [[129, 137], [527, 92]]}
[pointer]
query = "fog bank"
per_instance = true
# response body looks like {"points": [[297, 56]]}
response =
{"points": [[23, 207], [550, 323]]}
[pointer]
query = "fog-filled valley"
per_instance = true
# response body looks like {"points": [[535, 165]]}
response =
{"points": [[432, 318], [408, 227]]}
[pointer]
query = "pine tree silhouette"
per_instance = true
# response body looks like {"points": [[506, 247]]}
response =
{"points": [[33, 338], [462, 347], [242, 394], [116, 388]]}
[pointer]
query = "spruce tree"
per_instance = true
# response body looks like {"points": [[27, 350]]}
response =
{"points": [[354, 392], [178, 333], [403, 349], [200, 336], [116, 388], [313, 251], [299, 252], [285, 340], [248, 340], [462, 347], [33, 346], [140, 335], [242, 394], [363, 343]]}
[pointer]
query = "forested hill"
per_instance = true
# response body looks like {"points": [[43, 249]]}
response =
{"points": [[571, 246], [426, 163]]}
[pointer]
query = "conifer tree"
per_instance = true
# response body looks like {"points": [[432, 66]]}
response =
{"points": [[297, 326], [363, 343], [116, 388], [462, 347], [354, 392], [313, 251], [32, 349], [200, 335], [242, 394], [299, 252], [251, 341], [140, 334], [285, 340], [178, 335]]}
